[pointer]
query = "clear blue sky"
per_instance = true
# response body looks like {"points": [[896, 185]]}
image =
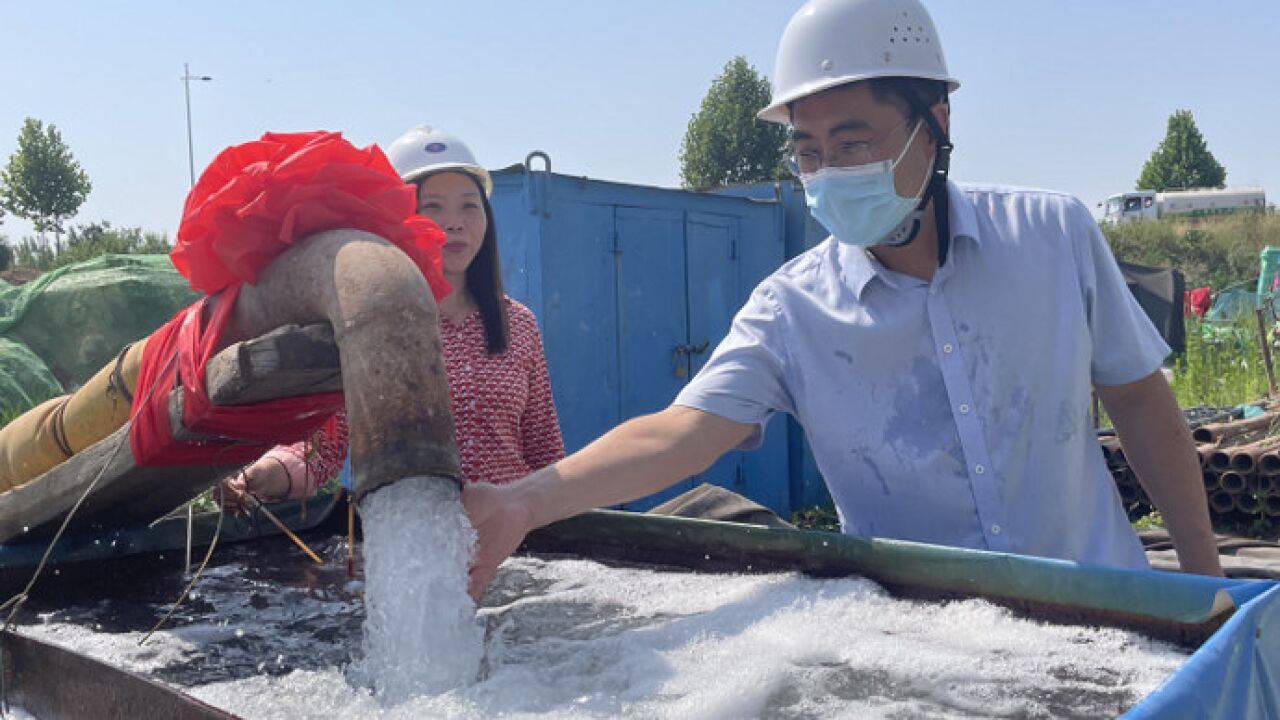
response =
{"points": [[1072, 96]]}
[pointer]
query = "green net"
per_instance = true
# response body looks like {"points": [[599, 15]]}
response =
{"points": [[61, 328], [25, 381]]}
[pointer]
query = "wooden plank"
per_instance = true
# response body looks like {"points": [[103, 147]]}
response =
{"points": [[286, 362]]}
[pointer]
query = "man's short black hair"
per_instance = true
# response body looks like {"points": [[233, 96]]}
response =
{"points": [[896, 90]]}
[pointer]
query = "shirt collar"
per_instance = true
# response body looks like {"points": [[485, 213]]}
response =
{"points": [[858, 267]]}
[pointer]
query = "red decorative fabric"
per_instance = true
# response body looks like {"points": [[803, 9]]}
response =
{"points": [[1198, 302], [177, 354], [256, 199], [503, 413], [250, 204]]}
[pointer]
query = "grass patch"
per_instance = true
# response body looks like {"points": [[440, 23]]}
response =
{"points": [[818, 517], [1221, 366]]}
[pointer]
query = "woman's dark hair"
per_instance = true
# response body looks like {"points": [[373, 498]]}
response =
{"points": [[484, 280]]}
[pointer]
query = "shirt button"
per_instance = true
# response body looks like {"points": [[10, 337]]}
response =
{"points": [[995, 529], [979, 469], [947, 348], [964, 409]]}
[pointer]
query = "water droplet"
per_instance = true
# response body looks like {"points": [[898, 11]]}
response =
{"points": [[240, 634]]}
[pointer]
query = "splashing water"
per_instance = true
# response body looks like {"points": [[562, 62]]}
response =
{"points": [[421, 636], [575, 639]]}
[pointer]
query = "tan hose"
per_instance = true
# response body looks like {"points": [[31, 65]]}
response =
{"points": [[53, 431]]}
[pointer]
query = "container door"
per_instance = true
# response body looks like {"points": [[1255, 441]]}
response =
{"points": [[580, 326], [711, 288], [652, 315]]}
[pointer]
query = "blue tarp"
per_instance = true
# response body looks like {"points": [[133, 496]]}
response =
{"points": [[1232, 304], [1235, 675]]}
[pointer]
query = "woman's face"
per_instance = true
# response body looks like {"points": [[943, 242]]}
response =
{"points": [[453, 201]]}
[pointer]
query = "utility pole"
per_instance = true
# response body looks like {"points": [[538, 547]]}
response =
{"points": [[187, 77]]}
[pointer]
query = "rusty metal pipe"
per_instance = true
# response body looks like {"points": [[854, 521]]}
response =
{"points": [[1269, 463], [1271, 506], [1205, 450], [1217, 432], [1234, 483], [1247, 504], [1113, 453], [1245, 458], [1221, 503], [386, 325], [1211, 481], [1220, 460], [1242, 462], [1266, 485]]}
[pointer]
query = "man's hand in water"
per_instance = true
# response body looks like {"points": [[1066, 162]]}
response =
{"points": [[501, 519]]}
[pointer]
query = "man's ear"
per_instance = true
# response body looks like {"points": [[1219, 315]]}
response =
{"points": [[942, 113]]}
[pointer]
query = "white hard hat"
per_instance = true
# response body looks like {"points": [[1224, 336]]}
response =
{"points": [[834, 42], [425, 151]]}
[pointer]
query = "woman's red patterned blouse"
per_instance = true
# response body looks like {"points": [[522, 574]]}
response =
{"points": [[502, 409]]}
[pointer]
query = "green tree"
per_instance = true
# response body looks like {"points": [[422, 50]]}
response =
{"points": [[725, 143], [1182, 160], [43, 183]]}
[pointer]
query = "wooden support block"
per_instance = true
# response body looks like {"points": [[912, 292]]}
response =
{"points": [[286, 362]]}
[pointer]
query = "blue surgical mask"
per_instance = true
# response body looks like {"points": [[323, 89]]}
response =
{"points": [[858, 205]]}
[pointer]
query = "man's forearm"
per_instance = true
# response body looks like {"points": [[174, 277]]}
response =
{"points": [[637, 458], [1159, 449]]}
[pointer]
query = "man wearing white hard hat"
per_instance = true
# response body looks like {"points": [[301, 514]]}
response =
{"points": [[938, 349]]}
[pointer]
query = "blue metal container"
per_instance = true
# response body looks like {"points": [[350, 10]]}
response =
{"points": [[633, 288]]}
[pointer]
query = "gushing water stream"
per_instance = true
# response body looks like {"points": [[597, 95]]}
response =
{"points": [[420, 631]]}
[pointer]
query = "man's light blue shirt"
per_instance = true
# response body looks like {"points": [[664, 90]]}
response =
{"points": [[954, 411]]}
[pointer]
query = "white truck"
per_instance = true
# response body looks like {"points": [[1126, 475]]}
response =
{"points": [[1195, 202]]}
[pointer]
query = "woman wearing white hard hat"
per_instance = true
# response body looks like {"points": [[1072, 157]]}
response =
{"points": [[500, 391]]}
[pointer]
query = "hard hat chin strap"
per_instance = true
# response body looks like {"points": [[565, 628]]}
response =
{"points": [[937, 185]]}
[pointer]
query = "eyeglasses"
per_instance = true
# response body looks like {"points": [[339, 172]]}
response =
{"points": [[846, 153]]}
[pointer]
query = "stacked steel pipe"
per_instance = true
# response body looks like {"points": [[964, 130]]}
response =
{"points": [[1240, 460]]}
